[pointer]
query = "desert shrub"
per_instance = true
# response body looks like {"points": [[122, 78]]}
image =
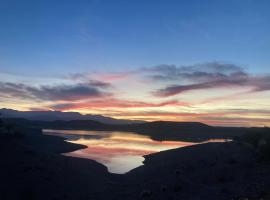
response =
{"points": [[9, 129], [145, 194], [260, 140], [1, 121]]}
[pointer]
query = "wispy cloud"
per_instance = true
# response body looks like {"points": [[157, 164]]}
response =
{"points": [[102, 77], [206, 76], [222, 83], [201, 72], [110, 77], [115, 103], [54, 93], [225, 117]]}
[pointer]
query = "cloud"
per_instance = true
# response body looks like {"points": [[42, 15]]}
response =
{"points": [[236, 121], [86, 78], [261, 83], [199, 115], [54, 93], [206, 76], [106, 78], [66, 92], [114, 103], [8, 89], [77, 76], [99, 84], [223, 117], [201, 72], [117, 76], [225, 83]]}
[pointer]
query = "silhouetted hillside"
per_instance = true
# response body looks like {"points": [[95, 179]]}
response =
{"points": [[32, 169], [193, 131]]}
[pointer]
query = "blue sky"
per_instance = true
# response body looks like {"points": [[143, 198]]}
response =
{"points": [[40, 37]]}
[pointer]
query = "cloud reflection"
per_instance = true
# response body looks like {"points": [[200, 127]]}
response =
{"points": [[119, 151]]}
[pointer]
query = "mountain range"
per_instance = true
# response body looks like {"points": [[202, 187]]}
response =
{"points": [[63, 116]]}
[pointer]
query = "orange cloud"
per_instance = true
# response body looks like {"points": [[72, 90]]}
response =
{"points": [[233, 117], [115, 76], [114, 103]]}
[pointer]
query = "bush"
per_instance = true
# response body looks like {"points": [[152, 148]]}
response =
{"points": [[1, 121], [260, 140], [9, 129]]}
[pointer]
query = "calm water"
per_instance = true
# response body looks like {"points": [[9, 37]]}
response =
{"points": [[120, 152]]}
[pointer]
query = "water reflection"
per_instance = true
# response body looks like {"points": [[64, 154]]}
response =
{"points": [[119, 151]]}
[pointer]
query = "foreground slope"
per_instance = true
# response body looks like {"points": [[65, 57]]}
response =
{"points": [[32, 168]]}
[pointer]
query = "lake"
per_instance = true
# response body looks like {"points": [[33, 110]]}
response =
{"points": [[120, 152]]}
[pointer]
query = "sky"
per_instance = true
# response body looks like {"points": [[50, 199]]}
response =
{"points": [[185, 60]]}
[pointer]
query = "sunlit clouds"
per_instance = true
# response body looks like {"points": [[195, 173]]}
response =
{"points": [[215, 93]]}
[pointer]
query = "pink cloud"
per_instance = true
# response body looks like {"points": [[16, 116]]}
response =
{"points": [[115, 103], [110, 77]]}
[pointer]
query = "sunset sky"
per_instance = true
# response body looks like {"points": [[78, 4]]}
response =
{"points": [[185, 60]]}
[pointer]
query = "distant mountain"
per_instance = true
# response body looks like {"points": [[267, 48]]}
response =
{"points": [[63, 116]]}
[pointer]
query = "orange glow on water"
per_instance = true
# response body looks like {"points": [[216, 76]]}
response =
{"points": [[119, 151]]}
